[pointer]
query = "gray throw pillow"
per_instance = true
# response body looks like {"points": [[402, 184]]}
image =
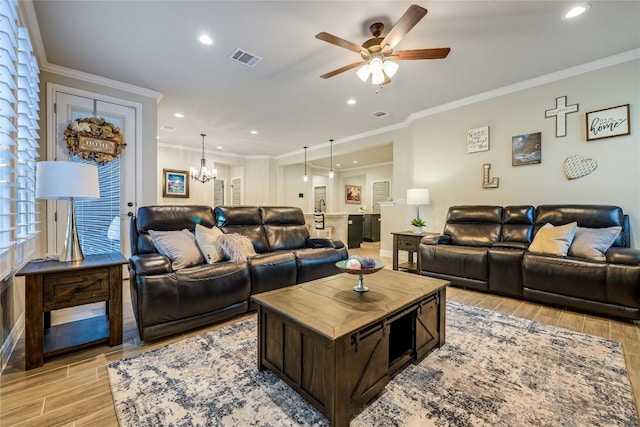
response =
{"points": [[179, 246], [207, 240], [592, 243], [550, 240], [236, 247]]}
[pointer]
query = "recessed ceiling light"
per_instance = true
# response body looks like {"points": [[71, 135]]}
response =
{"points": [[205, 39], [179, 115], [576, 11], [351, 101], [253, 132], [355, 162], [337, 165], [219, 147]]}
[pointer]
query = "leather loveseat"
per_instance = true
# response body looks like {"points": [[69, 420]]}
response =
{"points": [[487, 248], [166, 302]]}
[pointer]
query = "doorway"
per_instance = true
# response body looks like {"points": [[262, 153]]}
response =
{"points": [[103, 224]]}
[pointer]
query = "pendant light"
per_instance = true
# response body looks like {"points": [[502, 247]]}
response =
{"points": [[306, 177], [331, 159], [203, 174]]}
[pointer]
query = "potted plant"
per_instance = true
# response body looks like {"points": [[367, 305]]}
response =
{"points": [[417, 225]]}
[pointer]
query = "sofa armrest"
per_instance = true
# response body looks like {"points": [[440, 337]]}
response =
{"points": [[626, 256], [436, 239], [324, 243], [150, 264]]}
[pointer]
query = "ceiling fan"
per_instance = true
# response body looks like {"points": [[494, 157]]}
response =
{"points": [[377, 53]]}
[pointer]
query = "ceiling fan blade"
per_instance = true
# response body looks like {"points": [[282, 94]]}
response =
{"points": [[411, 17], [342, 69], [405, 55], [330, 38]]}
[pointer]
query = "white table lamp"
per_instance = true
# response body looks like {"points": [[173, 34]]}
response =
{"points": [[68, 181], [418, 197]]}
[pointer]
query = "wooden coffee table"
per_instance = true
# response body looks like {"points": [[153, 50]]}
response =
{"points": [[338, 348]]}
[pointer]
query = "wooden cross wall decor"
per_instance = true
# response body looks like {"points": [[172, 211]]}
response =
{"points": [[560, 113]]}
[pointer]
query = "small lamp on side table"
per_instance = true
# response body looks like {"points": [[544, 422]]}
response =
{"points": [[417, 197], [68, 181]]}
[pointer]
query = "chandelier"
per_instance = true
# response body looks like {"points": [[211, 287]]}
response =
{"points": [[203, 174]]}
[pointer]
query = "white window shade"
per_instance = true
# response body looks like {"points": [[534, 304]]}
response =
{"points": [[19, 87]]}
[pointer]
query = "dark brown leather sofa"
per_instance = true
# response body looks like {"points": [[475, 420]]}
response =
{"points": [[485, 248], [166, 302]]}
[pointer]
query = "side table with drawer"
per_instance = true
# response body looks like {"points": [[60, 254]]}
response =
{"points": [[410, 242], [52, 285]]}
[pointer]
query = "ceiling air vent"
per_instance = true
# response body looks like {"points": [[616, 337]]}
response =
{"points": [[244, 57], [167, 128], [379, 114]]}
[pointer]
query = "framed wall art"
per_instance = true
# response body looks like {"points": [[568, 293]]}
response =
{"points": [[175, 183], [526, 149], [478, 139], [353, 194], [608, 123]]}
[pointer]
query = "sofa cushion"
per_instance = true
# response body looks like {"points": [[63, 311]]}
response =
{"points": [[207, 240], [474, 225], [282, 215], [592, 243], [517, 224], [591, 216], [179, 246], [550, 240], [283, 237], [460, 261]]}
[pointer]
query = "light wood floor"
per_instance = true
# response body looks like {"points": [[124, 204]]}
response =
{"points": [[73, 390]]}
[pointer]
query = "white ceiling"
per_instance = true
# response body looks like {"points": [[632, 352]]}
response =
{"points": [[152, 44]]}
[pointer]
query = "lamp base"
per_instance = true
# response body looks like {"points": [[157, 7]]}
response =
{"points": [[71, 251]]}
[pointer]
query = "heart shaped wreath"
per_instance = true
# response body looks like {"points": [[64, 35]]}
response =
{"points": [[94, 139]]}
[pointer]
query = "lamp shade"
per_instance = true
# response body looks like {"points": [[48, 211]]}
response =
{"points": [[418, 196], [66, 180]]}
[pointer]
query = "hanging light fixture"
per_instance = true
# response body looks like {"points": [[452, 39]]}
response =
{"points": [[331, 159], [381, 70], [203, 174], [306, 177]]}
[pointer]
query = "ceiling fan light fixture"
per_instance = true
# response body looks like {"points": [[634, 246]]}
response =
{"points": [[390, 68], [375, 65], [377, 78], [363, 72]]}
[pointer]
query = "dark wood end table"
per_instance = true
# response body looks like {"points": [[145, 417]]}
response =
{"points": [[52, 285], [410, 242]]}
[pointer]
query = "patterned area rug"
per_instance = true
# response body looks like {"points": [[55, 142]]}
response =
{"points": [[494, 370]]}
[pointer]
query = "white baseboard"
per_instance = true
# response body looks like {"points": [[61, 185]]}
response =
{"points": [[10, 343]]}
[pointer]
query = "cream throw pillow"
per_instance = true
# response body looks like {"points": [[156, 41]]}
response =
{"points": [[592, 243], [236, 247], [207, 240], [179, 246], [550, 240]]}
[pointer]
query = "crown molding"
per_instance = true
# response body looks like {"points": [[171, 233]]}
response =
{"points": [[30, 20]]}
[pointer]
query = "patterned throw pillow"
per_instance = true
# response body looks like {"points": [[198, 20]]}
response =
{"points": [[207, 240]]}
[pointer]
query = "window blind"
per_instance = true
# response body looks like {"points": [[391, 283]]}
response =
{"points": [[18, 140]]}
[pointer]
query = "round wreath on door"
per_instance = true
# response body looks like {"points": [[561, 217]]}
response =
{"points": [[94, 139]]}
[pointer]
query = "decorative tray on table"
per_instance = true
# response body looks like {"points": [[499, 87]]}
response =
{"points": [[360, 266]]}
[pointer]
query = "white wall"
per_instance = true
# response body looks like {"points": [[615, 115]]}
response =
{"points": [[199, 193], [435, 150]]}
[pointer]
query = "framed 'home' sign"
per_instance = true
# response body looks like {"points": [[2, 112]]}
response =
{"points": [[608, 123]]}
